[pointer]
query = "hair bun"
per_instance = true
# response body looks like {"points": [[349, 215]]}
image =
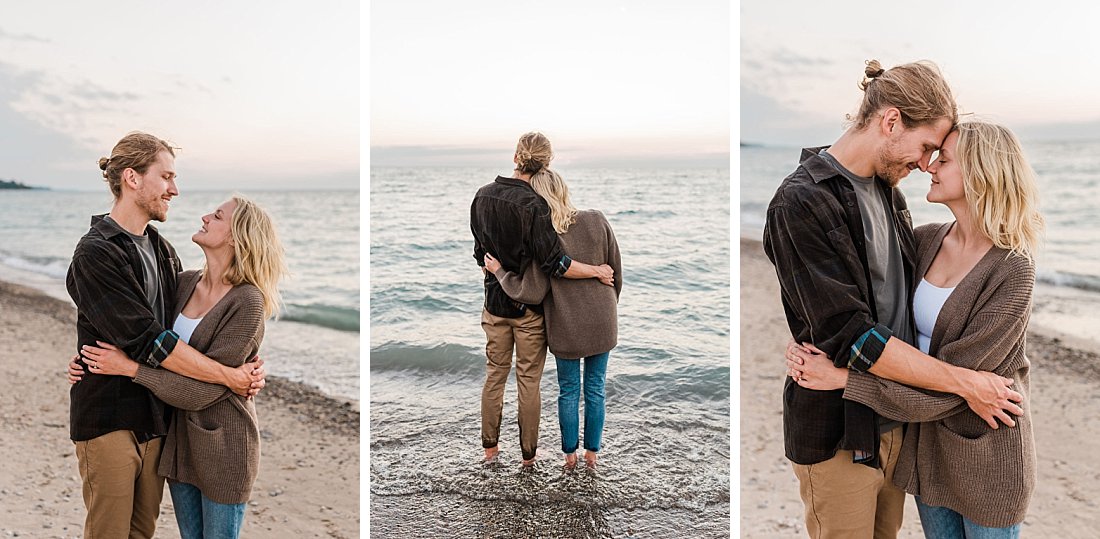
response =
{"points": [[103, 161], [874, 69]]}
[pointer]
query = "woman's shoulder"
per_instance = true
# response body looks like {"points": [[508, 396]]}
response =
{"points": [[591, 218], [248, 296]]}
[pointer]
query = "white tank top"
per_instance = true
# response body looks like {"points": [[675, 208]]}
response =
{"points": [[184, 327], [927, 303]]}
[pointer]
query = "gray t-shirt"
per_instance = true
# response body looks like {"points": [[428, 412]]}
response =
{"points": [[148, 257], [884, 259]]}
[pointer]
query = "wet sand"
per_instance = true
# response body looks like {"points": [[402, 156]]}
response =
{"points": [[1065, 411], [308, 484]]}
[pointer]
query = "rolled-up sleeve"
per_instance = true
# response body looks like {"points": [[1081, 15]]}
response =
{"points": [[108, 294], [546, 245], [814, 258]]}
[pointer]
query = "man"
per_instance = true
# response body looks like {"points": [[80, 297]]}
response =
{"points": [[123, 281], [512, 222], [841, 239]]}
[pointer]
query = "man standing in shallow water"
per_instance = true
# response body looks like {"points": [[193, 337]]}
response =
{"points": [[512, 222], [123, 281], [839, 234]]}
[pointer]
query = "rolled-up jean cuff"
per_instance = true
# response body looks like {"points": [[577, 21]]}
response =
{"points": [[162, 347], [868, 347], [563, 265]]}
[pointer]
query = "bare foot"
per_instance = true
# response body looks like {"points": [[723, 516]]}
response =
{"points": [[491, 453], [590, 459], [570, 461], [529, 463]]}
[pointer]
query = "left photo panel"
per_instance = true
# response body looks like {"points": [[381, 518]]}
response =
{"points": [[179, 270]]}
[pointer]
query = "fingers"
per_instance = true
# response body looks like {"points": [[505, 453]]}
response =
{"points": [[1015, 396], [1005, 418], [90, 351], [106, 345], [989, 420], [1013, 409], [812, 348]]}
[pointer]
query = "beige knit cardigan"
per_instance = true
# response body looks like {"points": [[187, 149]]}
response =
{"points": [[213, 439], [949, 456], [581, 315]]}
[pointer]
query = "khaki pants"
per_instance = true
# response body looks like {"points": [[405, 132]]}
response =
{"points": [[122, 490], [848, 500], [528, 336]]}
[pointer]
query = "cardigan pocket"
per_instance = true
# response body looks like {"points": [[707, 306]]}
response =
{"points": [[206, 441]]}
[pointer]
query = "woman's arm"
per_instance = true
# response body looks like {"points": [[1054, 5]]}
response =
{"points": [[529, 288]]}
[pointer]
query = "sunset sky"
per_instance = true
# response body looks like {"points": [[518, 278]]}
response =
{"points": [[1030, 66], [257, 95]]}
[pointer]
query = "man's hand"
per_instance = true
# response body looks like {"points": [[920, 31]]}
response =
{"points": [[248, 379], [605, 274], [989, 396]]}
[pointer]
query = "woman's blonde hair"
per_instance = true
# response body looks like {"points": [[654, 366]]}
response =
{"points": [[551, 187], [258, 257], [1000, 187], [917, 90]]}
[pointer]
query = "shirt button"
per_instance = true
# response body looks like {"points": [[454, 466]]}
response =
{"points": [[850, 204]]}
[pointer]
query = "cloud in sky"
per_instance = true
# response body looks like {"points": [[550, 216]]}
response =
{"points": [[254, 96]]}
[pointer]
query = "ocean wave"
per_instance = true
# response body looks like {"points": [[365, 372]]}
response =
{"points": [[1067, 279], [437, 359], [328, 316], [44, 265]]}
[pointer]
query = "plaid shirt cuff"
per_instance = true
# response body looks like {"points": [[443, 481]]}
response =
{"points": [[563, 265], [868, 347], [162, 347]]}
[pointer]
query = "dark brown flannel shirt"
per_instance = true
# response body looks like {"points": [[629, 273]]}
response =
{"points": [[510, 221], [814, 236], [105, 280]]}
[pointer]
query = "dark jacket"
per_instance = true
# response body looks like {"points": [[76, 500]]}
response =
{"points": [[814, 236], [511, 221], [105, 281]]}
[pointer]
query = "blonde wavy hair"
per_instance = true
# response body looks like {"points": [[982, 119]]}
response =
{"points": [[551, 187], [1000, 187], [258, 257]]}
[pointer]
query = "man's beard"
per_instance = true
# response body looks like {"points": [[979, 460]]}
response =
{"points": [[154, 209], [891, 169]]}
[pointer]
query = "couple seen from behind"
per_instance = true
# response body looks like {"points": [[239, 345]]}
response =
{"points": [[167, 365], [908, 370], [530, 241]]}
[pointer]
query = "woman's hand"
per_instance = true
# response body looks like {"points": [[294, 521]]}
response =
{"points": [[491, 264], [812, 369], [76, 371], [108, 359]]}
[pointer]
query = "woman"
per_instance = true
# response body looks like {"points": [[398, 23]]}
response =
{"points": [[971, 305], [212, 452], [580, 314]]}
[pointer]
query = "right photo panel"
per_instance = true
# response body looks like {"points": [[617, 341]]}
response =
{"points": [[920, 271]]}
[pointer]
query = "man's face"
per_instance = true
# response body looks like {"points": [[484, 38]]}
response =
{"points": [[906, 149], [158, 186]]}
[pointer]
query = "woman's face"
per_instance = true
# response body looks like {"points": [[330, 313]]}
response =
{"points": [[216, 228], [947, 180]]}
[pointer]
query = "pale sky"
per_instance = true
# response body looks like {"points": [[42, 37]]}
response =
{"points": [[605, 80], [258, 95], [1029, 65]]}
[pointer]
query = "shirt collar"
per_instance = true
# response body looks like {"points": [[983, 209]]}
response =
{"points": [[819, 169], [110, 229]]}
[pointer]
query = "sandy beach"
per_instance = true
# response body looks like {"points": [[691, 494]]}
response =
{"points": [[309, 475], [1065, 410]]}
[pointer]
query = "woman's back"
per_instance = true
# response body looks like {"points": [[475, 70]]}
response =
{"points": [[582, 314]]}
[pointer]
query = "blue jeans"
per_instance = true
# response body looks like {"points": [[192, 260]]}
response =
{"points": [[943, 523], [199, 517], [569, 396]]}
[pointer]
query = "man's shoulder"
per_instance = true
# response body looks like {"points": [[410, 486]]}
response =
{"points": [[516, 194], [800, 189], [93, 243]]}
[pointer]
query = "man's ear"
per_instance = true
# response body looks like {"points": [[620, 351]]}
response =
{"points": [[132, 178], [891, 119]]}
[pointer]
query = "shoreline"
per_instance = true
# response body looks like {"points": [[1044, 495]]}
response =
{"points": [[1064, 405], [308, 485]]}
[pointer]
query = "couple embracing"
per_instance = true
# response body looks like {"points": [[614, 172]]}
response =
{"points": [[530, 241], [908, 372], [167, 365]]}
